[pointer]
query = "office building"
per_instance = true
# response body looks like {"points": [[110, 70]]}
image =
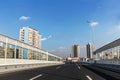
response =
{"points": [[75, 51], [89, 48], [30, 36]]}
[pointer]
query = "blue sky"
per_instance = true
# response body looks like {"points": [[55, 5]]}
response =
{"points": [[63, 23]]}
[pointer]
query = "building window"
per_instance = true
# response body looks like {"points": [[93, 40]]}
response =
{"points": [[10, 51], [25, 53], [34, 55], [30, 54], [19, 52], [44, 57], [119, 52], [115, 52], [51, 58], [37, 56], [40, 55], [2, 50]]}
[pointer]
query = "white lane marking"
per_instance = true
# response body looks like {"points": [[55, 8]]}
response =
{"points": [[89, 77], [78, 67], [36, 77], [58, 67]]}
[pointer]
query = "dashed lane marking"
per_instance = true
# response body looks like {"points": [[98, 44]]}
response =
{"points": [[58, 67], [78, 67], [89, 77], [36, 77]]}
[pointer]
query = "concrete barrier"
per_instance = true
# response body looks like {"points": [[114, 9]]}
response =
{"points": [[9, 65], [113, 67], [23, 61], [109, 61]]}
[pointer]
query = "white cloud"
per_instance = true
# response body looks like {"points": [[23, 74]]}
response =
{"points": [[93, 24], [43, 39], [24, 18], [46, 38], [49, 36]]}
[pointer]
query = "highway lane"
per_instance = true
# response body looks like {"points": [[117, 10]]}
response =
{"points": [[105, 73], [72, 71]]}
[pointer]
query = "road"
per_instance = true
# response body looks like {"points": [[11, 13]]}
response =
{"points": [[73, 71]]}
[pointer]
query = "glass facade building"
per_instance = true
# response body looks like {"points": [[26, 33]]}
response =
{"points": [[109, 51], [14, 49]]}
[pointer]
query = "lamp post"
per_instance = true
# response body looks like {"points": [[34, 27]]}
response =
{"points": [[92, 25], [92, 31]]}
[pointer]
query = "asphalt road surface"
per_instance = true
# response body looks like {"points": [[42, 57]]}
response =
{"points": [[70, 71]]}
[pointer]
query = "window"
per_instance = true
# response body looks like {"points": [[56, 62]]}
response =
{"points": [[2, 49], [10, 51], [25, 53]]}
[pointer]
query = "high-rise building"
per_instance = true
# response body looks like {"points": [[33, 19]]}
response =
{"points": [[30, 36], [75, 51], [89, 48]]}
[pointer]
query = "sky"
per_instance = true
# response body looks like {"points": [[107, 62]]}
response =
{"points": [[63, 23]]}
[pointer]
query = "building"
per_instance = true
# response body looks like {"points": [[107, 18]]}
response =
{"points": [[30, 36], [89, 48], [14, 49], [75, 51], [109, 51]]}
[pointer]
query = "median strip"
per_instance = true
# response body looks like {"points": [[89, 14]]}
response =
{"points": [[36, 77]]}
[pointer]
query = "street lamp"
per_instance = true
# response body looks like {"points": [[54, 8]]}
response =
{"points": [[92, 25]]}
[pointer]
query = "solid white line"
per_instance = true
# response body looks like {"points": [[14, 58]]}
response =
{"points": [[78, 67], [89, 77], [36, 77], [58, 67]]}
